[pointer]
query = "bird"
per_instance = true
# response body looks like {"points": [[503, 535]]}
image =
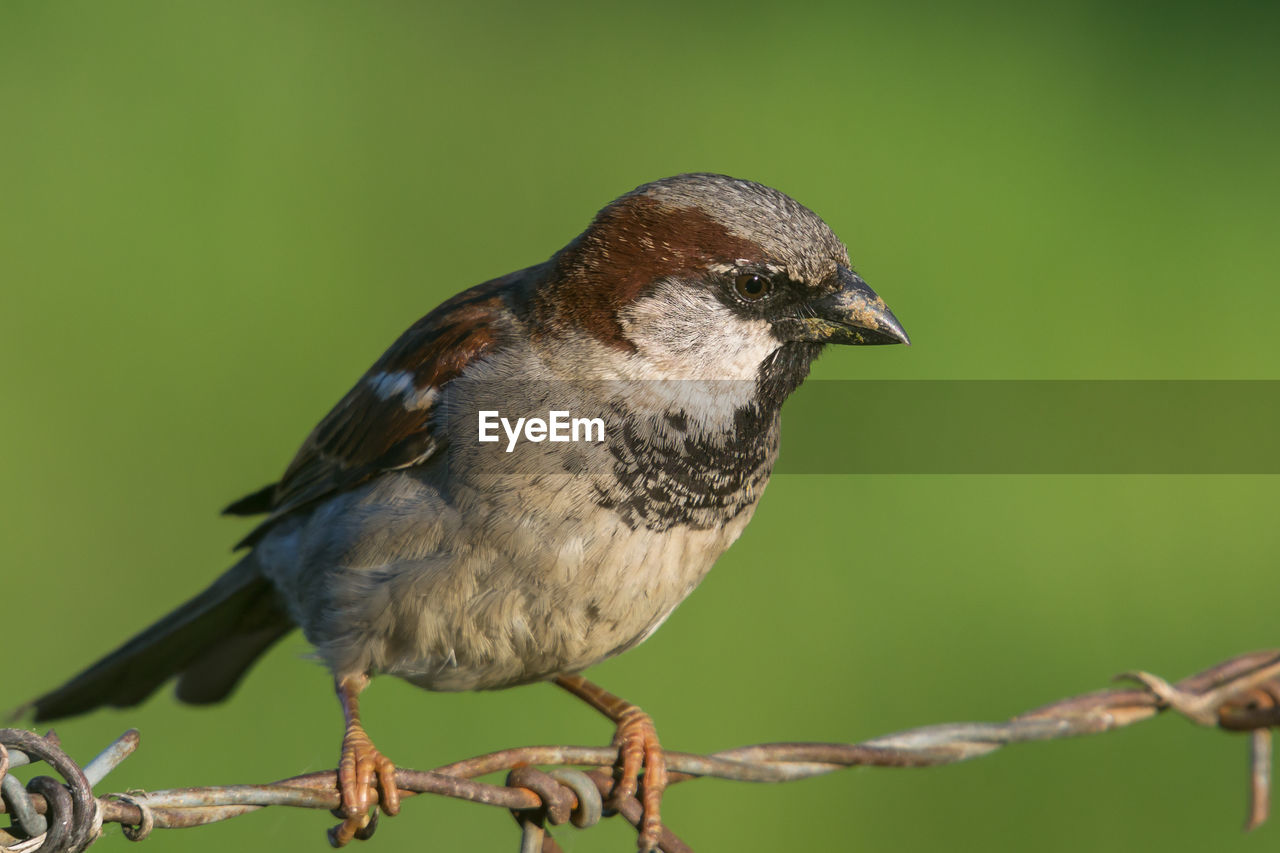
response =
{"points": [[404, 540]]}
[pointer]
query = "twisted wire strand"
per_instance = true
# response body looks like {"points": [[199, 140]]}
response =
{"points": [[1239, 695]]}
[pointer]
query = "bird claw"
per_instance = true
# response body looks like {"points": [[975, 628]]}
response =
{"points": [[638, 748], [360, 827], [366, 779]]}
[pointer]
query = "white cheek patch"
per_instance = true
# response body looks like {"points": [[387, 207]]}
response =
{"points": [[685, 333], [693, 354]]}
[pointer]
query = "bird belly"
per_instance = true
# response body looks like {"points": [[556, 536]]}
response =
{"points": [[500, 588], [559, 611]]}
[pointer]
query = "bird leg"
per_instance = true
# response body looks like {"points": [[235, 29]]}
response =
{"points": [[360, 767], [638, 747]]}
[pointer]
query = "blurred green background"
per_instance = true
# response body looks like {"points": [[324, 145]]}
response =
{"points": [[215, 216]]}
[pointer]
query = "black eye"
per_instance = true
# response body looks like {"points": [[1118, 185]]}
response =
{"points": [[752, 287]]}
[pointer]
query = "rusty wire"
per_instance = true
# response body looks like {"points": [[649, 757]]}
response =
{"points": [[1239, 695]]}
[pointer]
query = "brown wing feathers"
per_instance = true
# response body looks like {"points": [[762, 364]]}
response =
{"points": [[386, 420]]}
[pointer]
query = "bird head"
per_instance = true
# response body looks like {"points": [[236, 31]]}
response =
{"points": [[707, 276]]}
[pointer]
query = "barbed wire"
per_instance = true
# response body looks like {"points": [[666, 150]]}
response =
{"points": [[1238, 695]]}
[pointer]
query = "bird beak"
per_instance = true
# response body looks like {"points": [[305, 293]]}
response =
{"points": [[851, 314]]}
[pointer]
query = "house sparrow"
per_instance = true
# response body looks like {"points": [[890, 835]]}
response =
{"points": [[403, 544]]}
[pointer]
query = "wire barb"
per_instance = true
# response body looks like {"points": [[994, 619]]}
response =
{"points": [[1238, 695]]}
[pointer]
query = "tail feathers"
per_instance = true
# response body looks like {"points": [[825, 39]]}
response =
{"points": [[212, 676], [209, 642], [258, 503]]}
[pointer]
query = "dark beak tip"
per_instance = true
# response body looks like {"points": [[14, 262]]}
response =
{"points": [[890, 331], [888, 336]]}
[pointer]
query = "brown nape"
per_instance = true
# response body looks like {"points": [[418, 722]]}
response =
{"points": [[632, 243]]}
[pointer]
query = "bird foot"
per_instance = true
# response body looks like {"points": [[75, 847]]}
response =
{"points": [[366, 778], [638, 748]]}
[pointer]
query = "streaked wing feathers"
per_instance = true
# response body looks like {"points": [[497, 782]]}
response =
{"points": [[385, 421]]}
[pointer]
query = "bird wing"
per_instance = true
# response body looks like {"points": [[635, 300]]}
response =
{"points": [[387, 420]]}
